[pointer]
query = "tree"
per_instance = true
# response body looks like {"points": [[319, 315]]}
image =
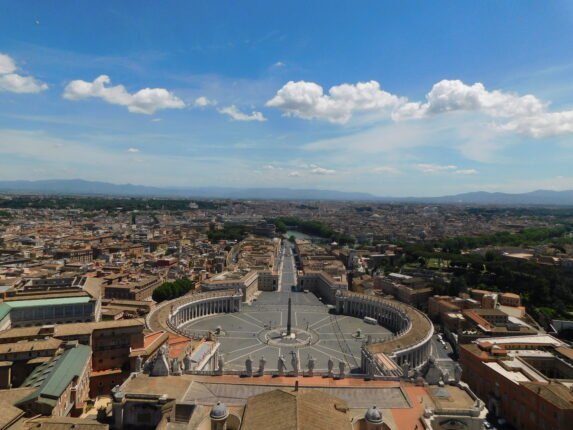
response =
{"points": [[172, 290]]}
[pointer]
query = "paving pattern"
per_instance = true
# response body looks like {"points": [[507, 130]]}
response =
{"points": [[321, 334], [242, 333]]}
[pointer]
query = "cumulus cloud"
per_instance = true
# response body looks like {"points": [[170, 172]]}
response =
{"points": [[237, 115], [269, 167], [145, 101], [133, 150], [466, 172], [295, 174], [386, 169], [526, 114], [204, 101], [7, 64], [454, 95], [307, 100], [14, 82], [435, 168]]}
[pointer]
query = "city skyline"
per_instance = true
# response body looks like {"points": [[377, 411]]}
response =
{"points": [[394, 100]]}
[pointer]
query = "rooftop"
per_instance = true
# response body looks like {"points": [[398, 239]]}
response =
{"points": [[89, 327], [17, 304], [52, 377], [36, 345]]}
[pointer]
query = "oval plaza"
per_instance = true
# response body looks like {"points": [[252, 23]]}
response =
{"points": [[307, 321]]}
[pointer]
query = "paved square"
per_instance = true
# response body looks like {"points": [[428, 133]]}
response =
{"points": [[333, 336]]}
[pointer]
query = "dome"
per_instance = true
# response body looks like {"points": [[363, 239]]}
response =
{"points": [[373, 415], [219, 411]]}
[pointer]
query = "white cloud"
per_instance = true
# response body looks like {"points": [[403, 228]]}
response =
{"points": [[386, 169], [454, 95], [204, 101], [434, 168], [7, 64], [322, 171], [236, 114], [15, 83], [526, 115], [437, 168], [295, 174], [156, 119], [547, 124], [269, 167], [314, 169], [145, 101], [133, 150], [307, 100], [279, 64]]}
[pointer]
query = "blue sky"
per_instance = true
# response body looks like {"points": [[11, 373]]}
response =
{"points": [[409, 98]]}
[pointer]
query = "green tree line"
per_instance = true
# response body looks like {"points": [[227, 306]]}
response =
{"points": [[528, 236], [229, 232], [172, 290], [97, 203], [545, 289]]}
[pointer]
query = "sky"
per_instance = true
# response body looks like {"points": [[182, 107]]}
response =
{"points": [[408, 98]]}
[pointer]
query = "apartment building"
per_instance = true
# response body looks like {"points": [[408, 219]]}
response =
{"points": [[524, 379]]}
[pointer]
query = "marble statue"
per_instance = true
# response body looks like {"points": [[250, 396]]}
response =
{"points": [[330, 367], [138, 363], [341, 369], [311, 366], [220, 365], [432, 374], [187, 363], [457, 373], [281, 366], [294, 362], [249, 366], [175, 367], [262, 363]]}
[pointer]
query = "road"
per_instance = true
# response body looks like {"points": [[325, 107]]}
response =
{"points": [[438, 349], [287, 267]]}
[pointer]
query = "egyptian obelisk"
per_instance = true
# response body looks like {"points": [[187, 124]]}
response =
{"points": [[288, 317]]}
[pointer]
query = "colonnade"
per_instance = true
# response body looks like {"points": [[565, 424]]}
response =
{"points": [[398, 318], [361, 306], [204, 304], [415, 356]]}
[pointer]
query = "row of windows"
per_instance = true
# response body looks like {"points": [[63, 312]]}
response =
{"points": [[46, 312]]}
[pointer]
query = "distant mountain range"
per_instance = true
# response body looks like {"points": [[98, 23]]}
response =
{"points": [[81, 187], [91, 188]]}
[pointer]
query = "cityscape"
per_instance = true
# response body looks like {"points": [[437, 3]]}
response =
{"points": [[248, 215]]}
